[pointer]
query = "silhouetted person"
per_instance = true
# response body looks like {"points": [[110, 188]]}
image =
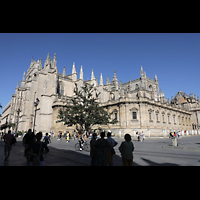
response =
{"points": [[28, 139], [47, 139], [36, 150], [126, 149], [103, 146], [111, 152], [9, 139], [93, 149]]}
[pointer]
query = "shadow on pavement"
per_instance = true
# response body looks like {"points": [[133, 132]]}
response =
{"points": [[61, 157], [151, 163]]}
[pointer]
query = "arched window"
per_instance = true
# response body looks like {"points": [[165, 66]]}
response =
{"points": [[157, 116], [150, 115], [150, 88], [115, 112], [60, 88], [163, 116]]}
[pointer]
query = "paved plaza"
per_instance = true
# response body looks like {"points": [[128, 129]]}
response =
{"points": [[151, 152]]}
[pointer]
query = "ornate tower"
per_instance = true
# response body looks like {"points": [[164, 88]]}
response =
{"points": [[115, 81]]}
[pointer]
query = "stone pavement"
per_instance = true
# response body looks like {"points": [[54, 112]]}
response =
{"points": [[151, 152]]}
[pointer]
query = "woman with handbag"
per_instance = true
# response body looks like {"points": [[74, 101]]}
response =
{"points": [[36, 151]]}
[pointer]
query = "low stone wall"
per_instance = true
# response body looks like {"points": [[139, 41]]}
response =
{"points": [[151, 132]]}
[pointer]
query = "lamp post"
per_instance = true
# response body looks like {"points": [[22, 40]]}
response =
{"points": [[18, 111], [6, 123], [35, 104]]}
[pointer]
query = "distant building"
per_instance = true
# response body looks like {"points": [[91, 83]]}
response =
{"points": [[138, 104]]}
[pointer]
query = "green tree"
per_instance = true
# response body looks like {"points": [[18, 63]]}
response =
{"points": [[84, 110]]}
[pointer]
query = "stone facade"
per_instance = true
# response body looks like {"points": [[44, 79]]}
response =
{"points": [[138, 104]]}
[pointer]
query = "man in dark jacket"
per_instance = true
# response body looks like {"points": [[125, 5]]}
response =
{"points": [[8, 139]]}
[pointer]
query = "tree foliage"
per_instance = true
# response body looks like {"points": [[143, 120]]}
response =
{"points": [[84, 110]]}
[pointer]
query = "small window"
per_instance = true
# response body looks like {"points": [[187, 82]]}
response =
{"points": [[157, 117], [168, 118], [115, 115], [150, 88], [174, 117], [134, 115], [150, 116]]}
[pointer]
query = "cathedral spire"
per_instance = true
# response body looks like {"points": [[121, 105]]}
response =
{"points": [[64, 72], [141, 71], [81, 72], [156, 79], [23, 76], [48, 56], [54, 57], [54, 61], [18, 84], [115, 78], [101, 80], [92, 75], [47, 61], [108, 80], [115, 81], [73, 68]]}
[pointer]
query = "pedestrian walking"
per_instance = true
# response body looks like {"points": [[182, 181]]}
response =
{"points": [[27, 140], [67, 136], [52, 134], [138, 136], [93, 149], [9, 140], [111, 152], [74, 134], [59, 135], [103, 146], [142, 137], [126, 149], [36, 151], [47, 139]]}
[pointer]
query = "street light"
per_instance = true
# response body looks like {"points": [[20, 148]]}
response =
{"points": [[35, 104], [18, 111]]}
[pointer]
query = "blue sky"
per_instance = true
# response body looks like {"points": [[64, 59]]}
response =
{"points": [[173, 57]]}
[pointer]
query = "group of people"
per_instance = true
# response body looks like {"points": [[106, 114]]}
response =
{"points": [[34, 147], [140, 136], [102, 150], [174, 134], [66, 136]]}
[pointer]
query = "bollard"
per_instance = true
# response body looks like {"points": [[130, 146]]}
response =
{"points": [[174, 141]]}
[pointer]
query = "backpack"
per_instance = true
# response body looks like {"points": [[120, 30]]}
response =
{"points": [[13, 141], [46, 139]]}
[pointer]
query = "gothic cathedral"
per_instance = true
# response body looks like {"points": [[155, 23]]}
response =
{"points": [[138, 105]]}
